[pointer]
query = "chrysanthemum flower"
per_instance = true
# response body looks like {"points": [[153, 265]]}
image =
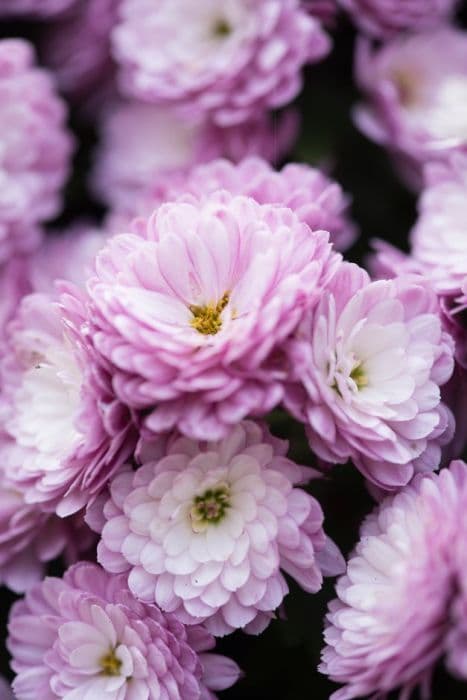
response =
{"points": [[63, 430], [231, 60], [192, 313], [415, 87], [85, 636], [35, 148], [205, 529], [388, 626], [147, 150], [366, 368], [29, 538], [315, 198], [384, 18], [33, 8]]}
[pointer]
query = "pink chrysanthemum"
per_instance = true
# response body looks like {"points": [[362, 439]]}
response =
{"points": [[205, 529], [384, 18], [35, 148], [64, 431], [231, 60], [33, 8], [415, 88], [388, 626], [29, 538], [366, 367], [85, 636], [146, 150], [317, 200], [192, 312], [77, 47]]}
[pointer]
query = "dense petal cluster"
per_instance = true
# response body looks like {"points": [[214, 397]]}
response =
{"points": [[389, 624], [192, 312], [205, 530], [368, 364], [147, 150], [35, 148], [84, 636], [414, 87], [64, 433], [315, 198], [384, 18], [231, 61], [33, 8]]}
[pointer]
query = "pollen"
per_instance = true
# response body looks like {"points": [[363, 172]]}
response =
{"points": [[359, 377], [110, 664], [210, 507], [207, 319]]}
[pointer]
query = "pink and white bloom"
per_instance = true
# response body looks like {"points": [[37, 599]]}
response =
{"points": [[35, 148], [146, 150], [64, 432], [33, 8], [415, 89], [230, 61], [388, 626], [385, 18], [205, 530], [29, 538], [192, 312], [85, 636], [366, 368], [315, 198]]}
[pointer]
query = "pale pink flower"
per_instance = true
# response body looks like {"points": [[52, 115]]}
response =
{"points": [[232, 60], [85, 636], [366, 369], [415, 89], [192, 312], [35, 148], [388, 626], [205, 530]]}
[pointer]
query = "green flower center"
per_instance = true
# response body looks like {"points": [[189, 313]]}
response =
{"points": [[359, 376], [210, 507], [110, 664], [207, 319], [221, 28]]}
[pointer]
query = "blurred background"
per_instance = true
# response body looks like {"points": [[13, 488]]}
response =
{"points": [[282, 663]]}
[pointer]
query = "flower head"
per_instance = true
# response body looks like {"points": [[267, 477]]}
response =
{"points": [[192, 312], [383, 18], [204, 529], [230, 61], [35, 148], [415, 87], [388, 626], [85, 636], [368, 363], [63, 430]]}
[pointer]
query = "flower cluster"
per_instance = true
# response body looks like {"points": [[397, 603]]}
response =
{"points": [[188, 304]]}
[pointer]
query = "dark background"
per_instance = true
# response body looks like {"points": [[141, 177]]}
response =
{"points": [[281, 664]]}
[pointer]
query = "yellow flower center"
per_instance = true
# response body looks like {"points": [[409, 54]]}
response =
{"points": [[406, 85], [210, 507], [110, 664], [221, 28], [207, 319], [359, 376]]}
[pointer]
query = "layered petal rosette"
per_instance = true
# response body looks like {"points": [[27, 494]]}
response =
{"points": [[35, 148], [315, 198], [415, 90], [64, 433], [231, 60], [33, 8], [192, 313], [146, 151], [366, 367], [384, 18], [388, 625], [85, 636], [29, 538], [204, 530]]}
